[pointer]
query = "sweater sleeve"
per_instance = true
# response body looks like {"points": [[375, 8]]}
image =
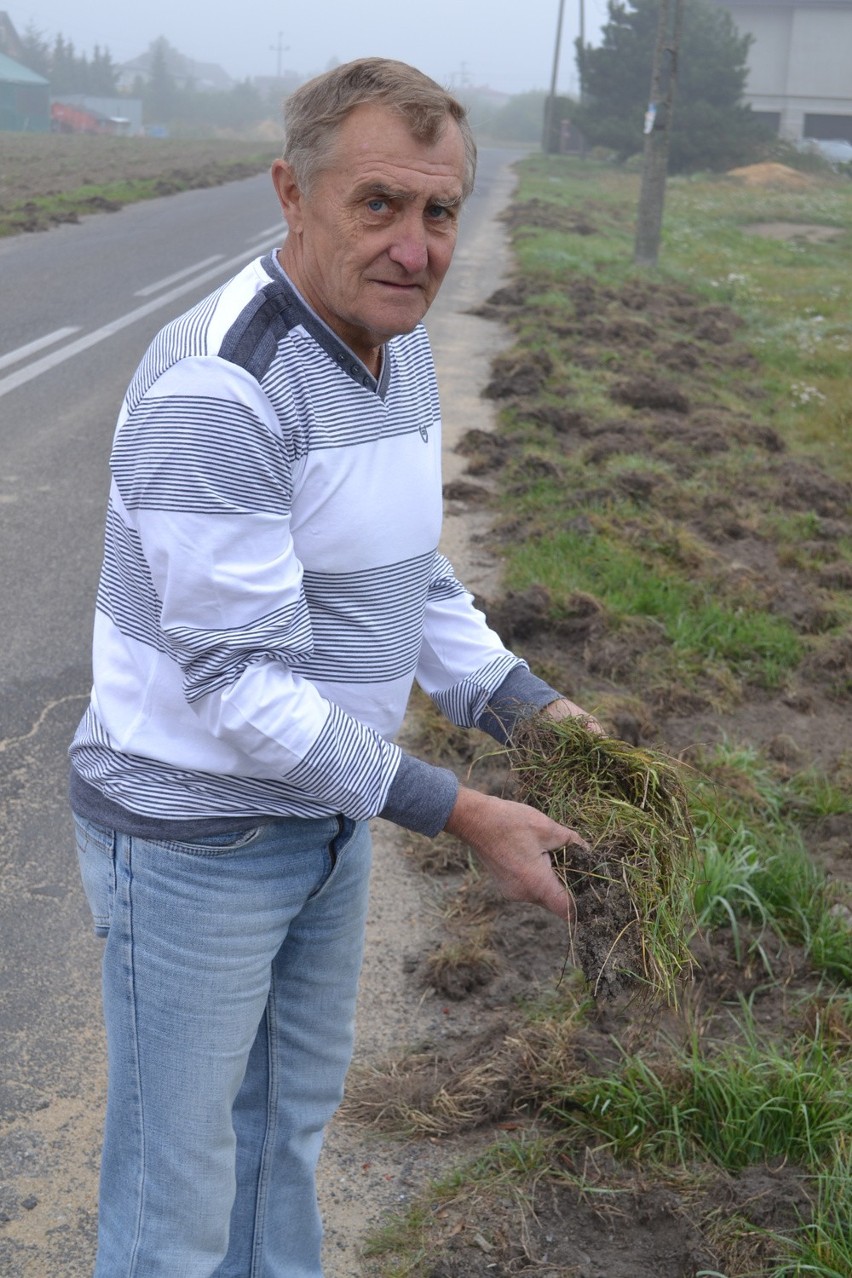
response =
{"points": [[464, 666]]}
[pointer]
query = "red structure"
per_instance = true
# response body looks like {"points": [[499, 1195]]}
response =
{"points": [[65, 118]]}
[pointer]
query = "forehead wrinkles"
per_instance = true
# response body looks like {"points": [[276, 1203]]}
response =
{"points": [[375, 149], [410, 181]]}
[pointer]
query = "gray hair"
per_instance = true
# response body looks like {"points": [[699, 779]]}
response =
{"points": [[315, 111]]}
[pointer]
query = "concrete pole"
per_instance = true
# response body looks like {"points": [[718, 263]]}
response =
{"points": [[658, 122]]}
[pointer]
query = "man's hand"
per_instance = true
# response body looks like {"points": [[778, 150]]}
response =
{"points": [[512, 841], [563, 709]]}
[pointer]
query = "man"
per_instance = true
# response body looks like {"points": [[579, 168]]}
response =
{"points": [[271, 587]]}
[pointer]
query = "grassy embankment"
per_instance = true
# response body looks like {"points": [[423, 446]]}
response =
{"points": [[47, 179], [636, 521]]}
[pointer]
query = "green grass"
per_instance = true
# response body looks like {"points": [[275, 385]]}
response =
{"points": [[738, 1106], [754, 865], [671, 1117], [790, 292], [699, 627], [823, 1247]]}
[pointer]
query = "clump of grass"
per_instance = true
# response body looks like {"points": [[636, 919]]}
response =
{"points": [[823, 1248], [752, 861], [462, 965], [631, 805], [738, 1105]]}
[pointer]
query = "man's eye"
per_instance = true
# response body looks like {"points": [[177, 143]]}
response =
{"points": [[438, 212], [377, 204]]}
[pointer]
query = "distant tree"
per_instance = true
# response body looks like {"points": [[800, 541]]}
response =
{"points": [[36, 51], [557, 120], [64, 74], [519, 119], [103, 74], [160, 95], [712, 128], [67, 71], [204, 112]]}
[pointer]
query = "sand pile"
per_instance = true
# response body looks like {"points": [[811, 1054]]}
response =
{"points": [[772, 175]]}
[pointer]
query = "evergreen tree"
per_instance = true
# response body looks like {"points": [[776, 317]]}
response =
{"points": [[66, 71], [519, 119], [160, 96], [63, 74], [103, 74], [36, 51], [712, 128]]}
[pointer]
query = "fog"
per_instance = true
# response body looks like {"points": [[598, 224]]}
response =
{"points": [[507, 46]]}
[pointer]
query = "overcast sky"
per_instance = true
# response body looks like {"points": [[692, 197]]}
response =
{"points": [[506, 44]]}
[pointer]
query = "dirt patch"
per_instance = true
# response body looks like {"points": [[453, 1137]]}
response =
{"points": [[650, 392], [619, 1226], [808, 232], [727, 536], [549, 216]]}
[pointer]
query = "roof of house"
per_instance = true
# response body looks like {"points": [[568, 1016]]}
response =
{"points": [[205, 75], [10, 41], [12, 72]]}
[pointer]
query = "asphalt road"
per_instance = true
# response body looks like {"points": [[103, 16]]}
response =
{"points": [[79, 305]]}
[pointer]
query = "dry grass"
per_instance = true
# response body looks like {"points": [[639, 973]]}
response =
{"points": [[631, 805], [433, 1094]]}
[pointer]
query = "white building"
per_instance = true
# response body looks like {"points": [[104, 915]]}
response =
{"points": [[800, 64]]}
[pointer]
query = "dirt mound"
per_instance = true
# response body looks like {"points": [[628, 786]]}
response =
{"points": [[772, 175]]}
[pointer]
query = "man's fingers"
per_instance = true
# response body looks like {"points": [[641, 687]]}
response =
{"points": [[570, 838], [558, 899]]}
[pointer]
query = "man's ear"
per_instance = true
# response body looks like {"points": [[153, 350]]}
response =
{"points": [[289, 195]]}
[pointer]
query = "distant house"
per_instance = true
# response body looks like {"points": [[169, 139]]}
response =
{"points": [[10, 41], [204, 76], [24, 99], [800, 64]]}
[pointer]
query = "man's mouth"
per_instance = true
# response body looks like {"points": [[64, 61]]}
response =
{"points": [[405, 286]]}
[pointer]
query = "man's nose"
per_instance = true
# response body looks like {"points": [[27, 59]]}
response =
{"points": [[410, 247]]}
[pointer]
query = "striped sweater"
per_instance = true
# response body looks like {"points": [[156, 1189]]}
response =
{"points": [[271, 583]]}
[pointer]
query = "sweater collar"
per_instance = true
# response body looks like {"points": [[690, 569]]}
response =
{"points": [[324, 336]]}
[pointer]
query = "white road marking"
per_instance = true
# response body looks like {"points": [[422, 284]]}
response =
{"points": [[277, 228], [23, 352], [178, 275], [47, 362]]}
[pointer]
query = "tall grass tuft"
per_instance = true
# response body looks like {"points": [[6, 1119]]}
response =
{"points": [[752, 863], [823, 1247], [742, 1105]]}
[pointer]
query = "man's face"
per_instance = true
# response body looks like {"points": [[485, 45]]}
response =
{"points": [[370, 245]]}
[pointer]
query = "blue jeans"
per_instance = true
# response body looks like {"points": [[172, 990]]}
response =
{"points": [[229, 980]]}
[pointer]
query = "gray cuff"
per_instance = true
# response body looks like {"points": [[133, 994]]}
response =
{"points": [[421, 796], [520, 696]]}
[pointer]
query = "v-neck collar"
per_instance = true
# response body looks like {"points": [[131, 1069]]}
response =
{"points": [[325, 337]]}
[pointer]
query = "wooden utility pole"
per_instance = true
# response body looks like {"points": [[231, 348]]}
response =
{"points": [[551, 100], [658, 123]]}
